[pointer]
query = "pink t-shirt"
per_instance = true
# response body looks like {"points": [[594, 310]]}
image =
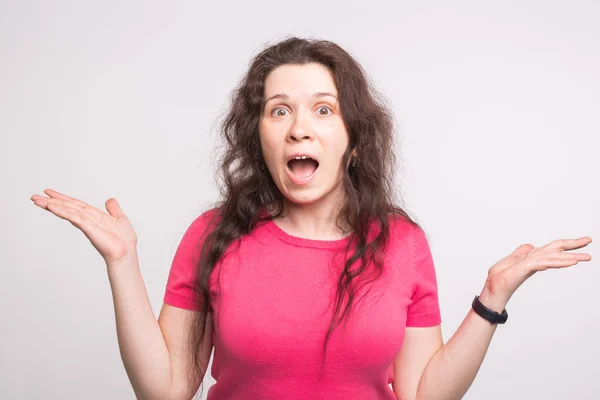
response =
{"points": [[270, 309]]}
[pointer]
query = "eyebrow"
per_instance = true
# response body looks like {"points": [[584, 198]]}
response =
{"points": [[284, 96]]}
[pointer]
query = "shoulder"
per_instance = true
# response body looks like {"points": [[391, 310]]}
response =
{"points": [[206, 220], [407, 238], [403, 228], [198, 229]]}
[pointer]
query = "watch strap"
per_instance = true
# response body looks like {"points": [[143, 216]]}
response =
{"points": [[492, 317]]}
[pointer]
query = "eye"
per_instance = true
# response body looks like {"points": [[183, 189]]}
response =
{"points": [[324, 108], [277, 112]]}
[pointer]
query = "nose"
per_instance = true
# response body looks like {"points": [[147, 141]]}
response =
{"points": [[300, 129]]}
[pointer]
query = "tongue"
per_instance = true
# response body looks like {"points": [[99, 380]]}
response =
{"points": [[303, 168]]}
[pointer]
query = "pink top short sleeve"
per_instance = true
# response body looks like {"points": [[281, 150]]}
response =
{"points": [[424, 309], [181, 288], [271, 305]]}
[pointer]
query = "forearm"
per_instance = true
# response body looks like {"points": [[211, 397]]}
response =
{"points": [[452, 370], [141, 343]]}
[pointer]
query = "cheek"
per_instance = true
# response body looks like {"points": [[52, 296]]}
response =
{"points": [[336, 142], [270, 147]]}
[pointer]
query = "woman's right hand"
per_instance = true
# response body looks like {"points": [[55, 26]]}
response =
{"points": [[111, 234]]}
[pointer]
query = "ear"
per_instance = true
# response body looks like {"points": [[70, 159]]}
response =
{"points": [[354, 153]]}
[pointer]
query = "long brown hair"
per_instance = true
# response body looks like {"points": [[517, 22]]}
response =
{"points": [[247, 187]]}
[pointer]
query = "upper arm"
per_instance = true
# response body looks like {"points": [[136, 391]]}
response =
{"points": [[182, 305], [423, 333], [176, 325], [419, 346]]}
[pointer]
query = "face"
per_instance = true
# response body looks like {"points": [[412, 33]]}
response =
{"points": [[302, 118]]}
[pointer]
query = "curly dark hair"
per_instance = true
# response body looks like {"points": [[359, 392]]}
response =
{"points": [[247, 187]]}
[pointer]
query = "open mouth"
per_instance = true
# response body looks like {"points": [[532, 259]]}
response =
{"points": [[302, 166]]}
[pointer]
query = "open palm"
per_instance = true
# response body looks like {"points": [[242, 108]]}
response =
{"points": [[110, 233], [508, 274]]}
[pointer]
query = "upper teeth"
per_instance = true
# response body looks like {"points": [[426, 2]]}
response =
{"points": [[301, 157]]}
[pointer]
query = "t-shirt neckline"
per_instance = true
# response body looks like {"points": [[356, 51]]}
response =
{"points": [[305, 242]]}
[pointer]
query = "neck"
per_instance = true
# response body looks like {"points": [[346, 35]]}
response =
{"points": [[313, 221]]}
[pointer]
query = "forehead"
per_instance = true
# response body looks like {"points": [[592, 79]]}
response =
{"points": [[299, 80]]}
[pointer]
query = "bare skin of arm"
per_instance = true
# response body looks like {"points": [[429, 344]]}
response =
{"points": [[425, 368], [156, 354], [175, 326], [153, 350]]}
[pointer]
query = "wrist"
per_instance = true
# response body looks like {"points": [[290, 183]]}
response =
{"points": [[130, 260], [492, 301]]}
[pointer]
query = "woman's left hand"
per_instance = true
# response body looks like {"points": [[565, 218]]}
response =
{"points": [[509, 273]]}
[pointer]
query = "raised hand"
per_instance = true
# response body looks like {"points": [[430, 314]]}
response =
{"points": [[111, 234], [508, 274]]}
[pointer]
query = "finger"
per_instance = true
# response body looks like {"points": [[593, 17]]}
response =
{"points": [[66, 212], [62, 203], [39, 200], [571, 256], [57, 195], [96, 213], [567, 254], [582, 256], [42, 201], [114, 208], [570, 244], [554, 263], [88, 212], [523, 250], [560, 260]]}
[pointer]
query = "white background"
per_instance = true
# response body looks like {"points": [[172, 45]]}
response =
{"points": [[497, 105]]}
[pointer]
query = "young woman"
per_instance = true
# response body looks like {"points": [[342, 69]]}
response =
{"points": [[306, 278]]}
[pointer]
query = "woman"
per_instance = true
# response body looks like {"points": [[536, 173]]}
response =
{"points": [[306, 278]]}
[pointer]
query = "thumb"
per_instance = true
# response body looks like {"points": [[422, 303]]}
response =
{"points": [[523, 250], [113, 208]]}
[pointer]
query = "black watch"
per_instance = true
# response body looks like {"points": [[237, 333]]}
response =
{"points": [[492, 316]]}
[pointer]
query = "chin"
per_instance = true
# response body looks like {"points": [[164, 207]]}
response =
{"points": [[303, 198]]}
